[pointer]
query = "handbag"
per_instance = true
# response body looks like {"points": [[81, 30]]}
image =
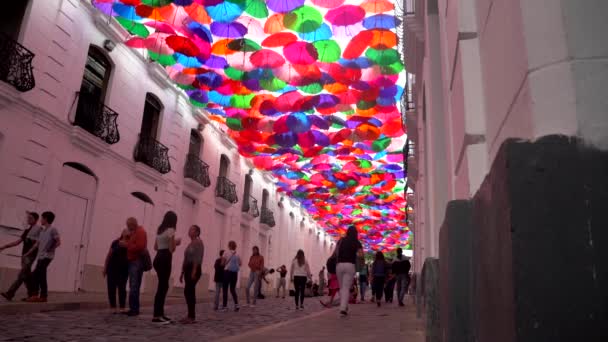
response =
{"points": [[146, 260]]}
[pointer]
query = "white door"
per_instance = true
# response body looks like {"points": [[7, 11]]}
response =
{"points": [[220, 226], [70, 218], [244, 246]]}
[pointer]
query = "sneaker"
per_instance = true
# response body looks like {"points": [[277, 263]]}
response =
{"points": [[343, 313], [301, 307], [6, 296], [167, 319], [223, 309], [160, 321], [36, 299]]}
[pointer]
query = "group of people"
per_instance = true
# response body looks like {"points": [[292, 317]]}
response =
{"points": [[128, 258], [39, 245]]}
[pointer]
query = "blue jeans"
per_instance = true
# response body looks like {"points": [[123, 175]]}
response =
{"points": [[135, 274], [402, 284], [363, 286], [254, 279]]}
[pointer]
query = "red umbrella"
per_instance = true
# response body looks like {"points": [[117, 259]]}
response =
{"points": [[345, 15], [358, 44], [279, 39], [267, 59], [183, 45]]}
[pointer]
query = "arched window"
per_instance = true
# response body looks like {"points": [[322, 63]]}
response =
{"points": [[151, 119], [80, 168], [224, 165], [265, 199], [93, 88], [142, 197], [247, 188], [11, 17], [196, 143]]}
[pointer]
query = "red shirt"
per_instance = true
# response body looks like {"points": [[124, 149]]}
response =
{"points": [[256, 263], [137, 243]]}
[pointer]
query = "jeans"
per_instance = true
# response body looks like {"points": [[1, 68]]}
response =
{"points": [[230, 279], [299, 283], [362, 286], [346, 274], [402, 284], [136, 272], [378, 286], [190, 289], [254, 278], [218, 290], [23, 277], [162, 266], [40, 278], [117, 281], [282, 285]]}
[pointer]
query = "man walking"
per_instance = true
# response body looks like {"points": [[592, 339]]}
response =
{"points": [[47, 243], [28, 239], [136, 247], [401, 269]]}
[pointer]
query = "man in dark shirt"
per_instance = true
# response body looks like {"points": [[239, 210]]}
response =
{"points": [[218, 278], [28, 238], [401, 269]]}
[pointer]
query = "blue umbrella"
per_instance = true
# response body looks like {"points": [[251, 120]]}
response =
{"points": [[381, 21], [225, 12]]}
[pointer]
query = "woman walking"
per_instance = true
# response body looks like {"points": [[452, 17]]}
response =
{"points": [[379, 272], [348, 248], [232, 264], [116, 271], [300, 272], [191, 271], [164, 245]]}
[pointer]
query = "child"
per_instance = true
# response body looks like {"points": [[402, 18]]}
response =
{"points": [[333, 285], [390, 287], [353, 293]]}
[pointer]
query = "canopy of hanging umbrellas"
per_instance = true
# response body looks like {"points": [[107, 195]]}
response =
{"points": [[308, 90]]}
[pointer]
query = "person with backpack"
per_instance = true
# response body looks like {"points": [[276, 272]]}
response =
{"points": [[379, 268]]}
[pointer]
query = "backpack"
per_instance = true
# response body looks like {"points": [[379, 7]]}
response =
{"points": [[331, 264]]}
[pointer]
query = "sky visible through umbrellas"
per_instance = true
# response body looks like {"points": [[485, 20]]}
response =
{"points": [[308, 90]]}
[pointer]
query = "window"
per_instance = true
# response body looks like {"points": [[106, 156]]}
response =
{"points": [[93, 88], [151, 119], [247, 191], [264, 199], [11, 17], [196, 143], [224, 165]]}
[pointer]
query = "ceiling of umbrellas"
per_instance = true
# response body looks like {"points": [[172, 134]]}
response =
{"points": [[308, 89]]}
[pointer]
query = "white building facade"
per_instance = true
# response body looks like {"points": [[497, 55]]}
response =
{"points": [[483, 71], [103, 136]]}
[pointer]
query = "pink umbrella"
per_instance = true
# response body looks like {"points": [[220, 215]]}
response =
{"points": [[267, 59], [345, 15], [300, 53], [241, 61], [254, 27], [328, 3]]}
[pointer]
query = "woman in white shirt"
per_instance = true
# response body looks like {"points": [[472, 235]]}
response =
{"points": [[164, 245], [300, 272]]}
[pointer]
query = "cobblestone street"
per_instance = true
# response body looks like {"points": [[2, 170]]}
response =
{"points": [[102, 326]]}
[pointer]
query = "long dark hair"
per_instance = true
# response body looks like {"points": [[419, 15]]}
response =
{"points": [[300, 257], [379, 256], [352, 234], [169, 221]]}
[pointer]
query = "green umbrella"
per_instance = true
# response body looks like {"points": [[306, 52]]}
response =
{"points": [[313, 88], [392, 69], [234, 124], [303, 19], [381, 144], [257, 8], [133, 27], [234, 74], [156, 3], [272, 84], [198, 104], [241, 101], [383, 57], [328, 50], [164, 60], [244, 45]]}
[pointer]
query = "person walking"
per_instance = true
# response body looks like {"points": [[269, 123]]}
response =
{"points": [[256, 265], [116, 272], [28, 238], [363, 279], [164, 245], [191, 271], [401, 269], [379, 275], [322, 281], [348, 248], [137, 253], [300, 272], [282, 280], [218, 278], [232, 264], [47, 243], [332, 284]]}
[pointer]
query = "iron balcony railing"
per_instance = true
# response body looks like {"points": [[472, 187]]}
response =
{"points": [[197, 170], [152, 153], [96, 118], [267, 217], [226, 189], [250, 206], [16, 64]]}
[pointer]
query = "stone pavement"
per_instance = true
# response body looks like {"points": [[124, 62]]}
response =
{"points": [[366, 322], [99, 325]]}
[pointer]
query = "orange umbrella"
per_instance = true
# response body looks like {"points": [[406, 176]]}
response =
{"points": [[383, 39], [221, 47], [274, 24], [198, 13], [377, 6]]}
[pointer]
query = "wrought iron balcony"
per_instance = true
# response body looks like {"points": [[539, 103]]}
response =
{"points": [[96, 118], [16, 64], [226, 189], [250, 206], [197, 170], [267, 217], [152, 153]]}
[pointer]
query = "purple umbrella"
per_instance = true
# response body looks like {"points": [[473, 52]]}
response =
{"points": [[216, 62], [283, 6], [228, 30]]}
